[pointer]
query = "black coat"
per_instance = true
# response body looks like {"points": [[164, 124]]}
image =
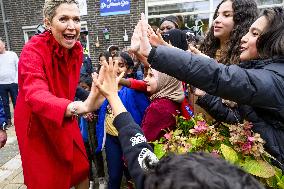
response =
{"points": [[257, 87]]}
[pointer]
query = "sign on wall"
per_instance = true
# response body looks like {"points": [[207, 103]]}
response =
{"points": [[83, 7], [114, 7]]}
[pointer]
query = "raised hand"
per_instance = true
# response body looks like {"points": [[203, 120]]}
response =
{"points": [[109, 87], [135, 39], [145, 46], [194, 50], [155, 39]]}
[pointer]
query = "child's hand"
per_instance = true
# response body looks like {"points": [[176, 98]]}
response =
{"points": [[97, 78], [109, 86], [155, 39]]}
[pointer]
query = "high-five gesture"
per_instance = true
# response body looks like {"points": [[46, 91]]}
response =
{"points": [[145, 46], [109, 86], [135, 44], [135, 39]]}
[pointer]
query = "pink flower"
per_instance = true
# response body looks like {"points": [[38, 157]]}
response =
{"points": [[246, 147], [251, 139], [168, 136], [201, 127], [201, 123], [215, 153]]}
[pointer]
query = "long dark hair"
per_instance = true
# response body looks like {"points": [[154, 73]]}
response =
{"points": [[245, 13], [271, 42]]}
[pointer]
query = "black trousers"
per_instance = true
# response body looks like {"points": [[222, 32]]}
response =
{"points": [[5, 91]]}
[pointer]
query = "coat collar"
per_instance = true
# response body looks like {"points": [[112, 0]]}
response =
{"points": [[260, 63]]}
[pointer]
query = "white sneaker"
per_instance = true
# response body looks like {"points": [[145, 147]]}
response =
{"points": [[102, 183], [91, 185]]}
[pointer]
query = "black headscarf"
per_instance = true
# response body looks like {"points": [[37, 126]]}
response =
{"points": [[177, 38], [172, 19]]}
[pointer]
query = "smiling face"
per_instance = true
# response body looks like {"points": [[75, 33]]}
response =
{"points": [[248, 47], [224, 23], [65, 25], [151, 81]]}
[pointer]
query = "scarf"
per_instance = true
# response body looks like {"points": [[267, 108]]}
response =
{"points": [[167, 87]]}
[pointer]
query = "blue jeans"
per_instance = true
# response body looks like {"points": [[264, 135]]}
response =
{"points": [[5, 90], [115, 163]]}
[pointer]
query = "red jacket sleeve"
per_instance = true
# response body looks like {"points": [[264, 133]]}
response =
{"points": [[138, 85]]}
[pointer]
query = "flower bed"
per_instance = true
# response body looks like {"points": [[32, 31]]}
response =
{"points": [[235, 143]]}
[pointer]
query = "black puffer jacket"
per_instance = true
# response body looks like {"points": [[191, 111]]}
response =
{"points": [[257, 87]]}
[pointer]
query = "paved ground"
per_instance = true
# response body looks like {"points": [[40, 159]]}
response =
{"points": [[11, 174]]}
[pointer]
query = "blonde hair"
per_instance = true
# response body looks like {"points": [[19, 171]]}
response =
{"points": [[50, 7]]}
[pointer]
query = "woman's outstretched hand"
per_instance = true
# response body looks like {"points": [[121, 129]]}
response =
{"points": [[109, 86]]}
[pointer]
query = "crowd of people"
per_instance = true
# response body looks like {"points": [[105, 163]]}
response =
{"points": [[68, 116]]}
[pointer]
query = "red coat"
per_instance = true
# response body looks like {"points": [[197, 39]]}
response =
{"points": [[48, 76]]}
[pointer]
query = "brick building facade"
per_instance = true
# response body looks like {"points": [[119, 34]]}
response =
{"points": [[25, 13]]}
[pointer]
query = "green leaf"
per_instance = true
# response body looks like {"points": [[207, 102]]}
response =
{"points": [[229, 153], [278, 174], [197, 142], [159, 151], [177, 132], [280, 185], [259, 168], [271, 182]]}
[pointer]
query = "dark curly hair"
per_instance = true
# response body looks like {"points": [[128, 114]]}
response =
{"points": [[270, 42], [245, 13], [196, 171]]}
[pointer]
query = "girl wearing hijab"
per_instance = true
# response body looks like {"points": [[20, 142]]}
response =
{"points": [[166, 96]]}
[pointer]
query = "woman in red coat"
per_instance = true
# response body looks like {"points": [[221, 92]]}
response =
{"points": [[51, 146]]}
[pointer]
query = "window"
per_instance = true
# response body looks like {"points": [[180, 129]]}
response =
{"points": [[192, 10], [29, 31], [269, 2], [196, 13]]}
